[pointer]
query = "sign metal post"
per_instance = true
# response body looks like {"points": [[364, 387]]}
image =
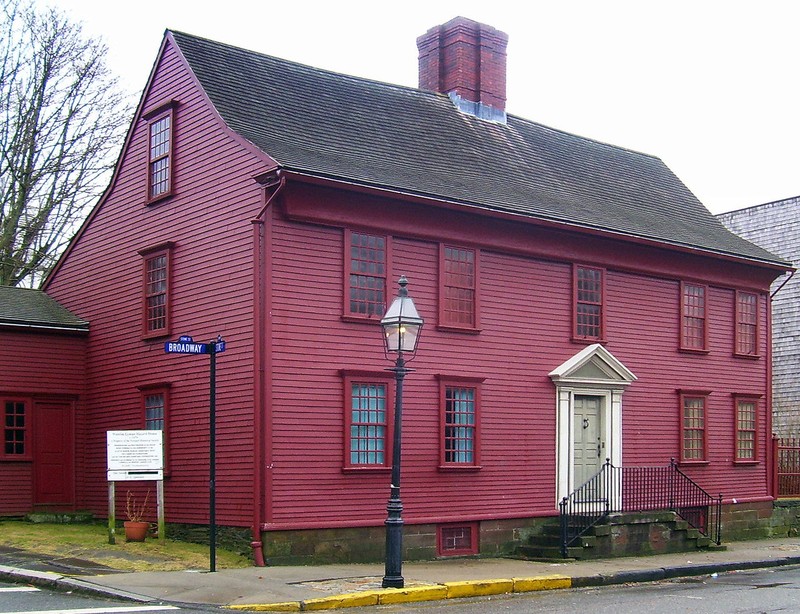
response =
{"points": [[186, 345]]}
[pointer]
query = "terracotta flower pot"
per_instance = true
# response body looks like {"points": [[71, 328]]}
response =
{"points": [[135, 531]]}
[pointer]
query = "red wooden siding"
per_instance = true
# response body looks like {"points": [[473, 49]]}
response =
{"points": [[525, 333], [208, 220]]}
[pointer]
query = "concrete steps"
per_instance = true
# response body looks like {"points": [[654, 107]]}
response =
{"points": [[626, 534]]}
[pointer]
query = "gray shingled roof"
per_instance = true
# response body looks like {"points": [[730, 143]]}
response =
{"points": [[408, 140], [33, 308]]}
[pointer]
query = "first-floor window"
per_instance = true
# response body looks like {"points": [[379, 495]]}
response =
{"points": [[155, 400], [746, 420], [154, 411], [368, 414], [459, 409], [15, 429], [693, 427]]}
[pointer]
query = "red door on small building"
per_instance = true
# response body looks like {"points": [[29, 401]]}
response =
{"points": [[53, 479]]}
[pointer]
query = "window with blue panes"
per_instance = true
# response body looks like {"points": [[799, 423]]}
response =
{"points": [[369, 424]]}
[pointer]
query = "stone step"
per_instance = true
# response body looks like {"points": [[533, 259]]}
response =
{"points": [[549, 553]]}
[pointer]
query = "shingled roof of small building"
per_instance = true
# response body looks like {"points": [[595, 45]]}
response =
{"points": [[411, 141], [27, 308]]}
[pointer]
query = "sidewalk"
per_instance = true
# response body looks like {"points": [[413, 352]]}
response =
{"points": [[333, 586]]}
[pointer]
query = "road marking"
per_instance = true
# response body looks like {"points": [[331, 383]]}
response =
{"points": [[18, 589], [113, 610]]}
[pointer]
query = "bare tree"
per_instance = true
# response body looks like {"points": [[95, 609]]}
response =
{"points": [[62, 120]]}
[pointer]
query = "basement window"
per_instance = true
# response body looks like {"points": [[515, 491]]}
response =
{"points": [[457, 539]]}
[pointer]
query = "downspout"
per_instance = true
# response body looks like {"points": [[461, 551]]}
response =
{"points": [[772, 459], [261, 331]]}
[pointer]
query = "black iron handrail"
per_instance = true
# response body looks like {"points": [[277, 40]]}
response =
{"points": [[637, 489]]}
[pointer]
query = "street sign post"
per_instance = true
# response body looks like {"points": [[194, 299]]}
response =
{"points": [[186, 345]]}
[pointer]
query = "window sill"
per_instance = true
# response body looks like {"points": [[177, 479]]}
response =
{"points": [[589, 340], [21, 459], [699, 352], [158, 199], [156, 336], [459, 469], [745, 463], [693, 463], [747, 356], [467, 330], [375, 319], [380, 469]]}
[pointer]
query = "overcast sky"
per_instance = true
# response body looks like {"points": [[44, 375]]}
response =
{"points": [[708, 86]]}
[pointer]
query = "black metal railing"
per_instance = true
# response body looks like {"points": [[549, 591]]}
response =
{"points": [[638, 489], [788, 466]]}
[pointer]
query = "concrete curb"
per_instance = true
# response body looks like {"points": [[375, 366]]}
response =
{"points": [[48, 579], [432, 592]]}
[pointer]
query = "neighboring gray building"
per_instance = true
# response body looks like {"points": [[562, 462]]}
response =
{"points": [[775, 226]]}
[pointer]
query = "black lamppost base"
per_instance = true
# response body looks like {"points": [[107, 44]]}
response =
{"points": [[393, 582]]}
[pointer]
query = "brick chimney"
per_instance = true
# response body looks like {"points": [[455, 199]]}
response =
{"points": [[466, 60]]}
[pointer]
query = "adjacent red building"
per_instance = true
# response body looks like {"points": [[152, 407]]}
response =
{"points": [[42, 386], [579, 303]]}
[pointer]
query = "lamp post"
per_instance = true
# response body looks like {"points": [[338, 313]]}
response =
{"points": [[401, 328]]}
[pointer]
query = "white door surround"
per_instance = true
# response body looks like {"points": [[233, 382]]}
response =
{"points": [[592, 372]]}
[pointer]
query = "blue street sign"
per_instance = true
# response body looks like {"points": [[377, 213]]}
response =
{"points": [[186, 345]]}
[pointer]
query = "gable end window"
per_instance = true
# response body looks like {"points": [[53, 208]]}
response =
{"points": [[366, 267], [157, 285], [746, 324], [15, 430], [160, 151], [693, 407], [458, 288], [589, 310], [368, 421], [694, 328], [746, 417]]}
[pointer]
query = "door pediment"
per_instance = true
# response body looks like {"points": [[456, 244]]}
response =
{"points": [[594, 366]]}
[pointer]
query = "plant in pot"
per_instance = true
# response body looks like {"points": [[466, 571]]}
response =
{"points": [[135, 528]]}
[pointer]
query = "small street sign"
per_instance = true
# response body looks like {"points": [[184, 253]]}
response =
{"points": [[186, 345]]}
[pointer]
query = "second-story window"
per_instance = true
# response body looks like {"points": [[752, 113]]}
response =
{"points": [[366, 268], [157, 290], [588, 303], [458, 296], [746, 324], [694, 332]]}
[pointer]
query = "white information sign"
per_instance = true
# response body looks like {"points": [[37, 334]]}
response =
{"points": [[135, 455]]}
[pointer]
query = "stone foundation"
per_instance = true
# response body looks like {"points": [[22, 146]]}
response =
{"points": [[502, 537]]}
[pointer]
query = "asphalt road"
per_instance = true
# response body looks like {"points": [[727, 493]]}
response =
{"points": [[21, 599]]}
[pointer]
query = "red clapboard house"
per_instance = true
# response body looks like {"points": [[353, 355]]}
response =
{"points": [[42, 382], [579, 304]]}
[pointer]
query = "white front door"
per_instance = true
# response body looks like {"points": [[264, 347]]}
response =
{"points": [[589, 441], [589, 389]]}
